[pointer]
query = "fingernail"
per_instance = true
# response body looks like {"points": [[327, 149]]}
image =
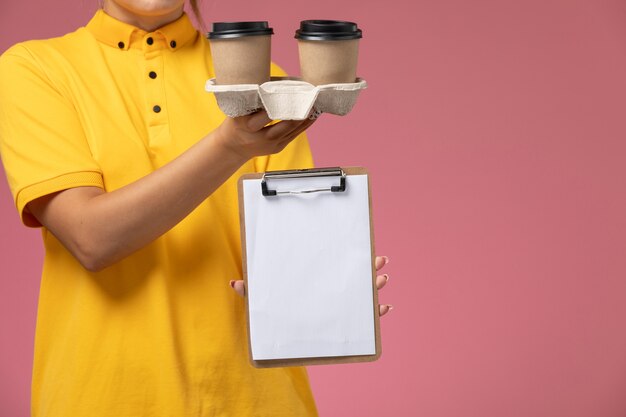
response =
{"points": [[386, 260], [232, 283], [390, 307], [386, 277]]}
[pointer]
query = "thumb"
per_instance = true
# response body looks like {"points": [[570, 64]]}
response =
{"points": [[257, 121]]}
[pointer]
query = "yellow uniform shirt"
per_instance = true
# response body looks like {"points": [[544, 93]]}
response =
{"points": [[160, 333]]}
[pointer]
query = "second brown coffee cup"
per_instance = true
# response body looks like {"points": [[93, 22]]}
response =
{"points": [[241, 52], [329, 51]]}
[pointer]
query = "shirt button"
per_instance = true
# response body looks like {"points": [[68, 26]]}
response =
{"points": [[152, 75], [173, 44], [120, 45], [156, 109], [150, 41]]}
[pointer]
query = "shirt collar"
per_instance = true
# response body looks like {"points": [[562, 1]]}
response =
{"points": [[117, 34]]}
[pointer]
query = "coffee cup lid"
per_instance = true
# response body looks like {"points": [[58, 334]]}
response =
{"points": [[227, 30], [328, 30]]}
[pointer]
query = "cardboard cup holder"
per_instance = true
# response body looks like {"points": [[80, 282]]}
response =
{"points": [[286, 98]]}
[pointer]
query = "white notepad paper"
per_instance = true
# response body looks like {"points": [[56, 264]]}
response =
{"points": [[309, 269]]}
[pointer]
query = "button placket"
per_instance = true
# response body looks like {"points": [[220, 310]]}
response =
{"points": [[157, 120]]}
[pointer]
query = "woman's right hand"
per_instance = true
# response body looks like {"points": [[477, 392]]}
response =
{"points": [[250, 136]]}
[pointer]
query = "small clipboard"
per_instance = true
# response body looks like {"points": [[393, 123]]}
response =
{"points": [[308, 265]]}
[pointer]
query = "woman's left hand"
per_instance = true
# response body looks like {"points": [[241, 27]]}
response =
{"points": [[381, 280]]}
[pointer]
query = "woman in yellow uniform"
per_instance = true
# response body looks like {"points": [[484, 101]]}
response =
{"points": [[111, 146]]}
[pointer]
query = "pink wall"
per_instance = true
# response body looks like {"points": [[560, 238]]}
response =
{"points": [[495, 134]]}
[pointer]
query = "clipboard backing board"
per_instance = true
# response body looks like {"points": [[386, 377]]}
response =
{"points": [[308, 266]]}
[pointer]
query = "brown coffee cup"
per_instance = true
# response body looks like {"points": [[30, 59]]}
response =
{"points": [[241, 52], [329, 51]]}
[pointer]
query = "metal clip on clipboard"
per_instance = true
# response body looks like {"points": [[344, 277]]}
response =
{"points": [[304, 173]]}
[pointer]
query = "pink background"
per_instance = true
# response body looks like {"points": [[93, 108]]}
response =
{"points": [[495, 132]]}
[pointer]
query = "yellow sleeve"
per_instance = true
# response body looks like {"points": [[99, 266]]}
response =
{"points": [[42, 143], [297, 155]]}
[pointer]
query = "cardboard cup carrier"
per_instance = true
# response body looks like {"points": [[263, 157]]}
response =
{"points": [[329, 51], [241, 52], [328, 61]]}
